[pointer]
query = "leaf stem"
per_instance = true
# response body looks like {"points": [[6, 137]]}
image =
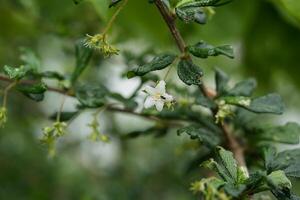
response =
{"points": [[6, 90], [61, 107], [170, 21], [113, 18], [169, 70]]}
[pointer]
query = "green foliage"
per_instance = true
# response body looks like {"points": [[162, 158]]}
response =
{"points": [[204, 50], [287, 161], [226, 117], [288, 133], [91, 96], [189, 73], [290, 9], [37, 88], [3, 116], [64, 116], [191, 14], [271, 103], [243, 88], [30, 60], [226, 166], [201, 3], [15, 73], [50, 135], [204, 135], [221, 79], [99, 42], [34, 92], [83, 56], [51, 75], [158, 63]]}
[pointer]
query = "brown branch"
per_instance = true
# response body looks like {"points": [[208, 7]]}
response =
{"points": [[30, 82], [174, 123], [233, 144], [170, 20]]}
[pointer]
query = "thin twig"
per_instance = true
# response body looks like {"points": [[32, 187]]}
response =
{"points": [[170, 20], [61, 107], [31, 82], [113, 18], [6, 90], [112, 108]]}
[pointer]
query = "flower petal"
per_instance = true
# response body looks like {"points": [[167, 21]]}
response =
{"points": [[161, 87], [149, 102], [150, 90], [159, 105], [168, 98]]}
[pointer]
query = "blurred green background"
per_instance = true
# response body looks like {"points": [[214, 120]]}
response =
{"points": [[266, 37]]}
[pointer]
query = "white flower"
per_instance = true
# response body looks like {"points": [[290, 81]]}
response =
{"points": [[157, 96]]}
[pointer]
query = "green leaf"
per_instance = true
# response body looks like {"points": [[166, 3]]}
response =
{"points": [[293, 171], [237, 100], [34, 92], [31, 61], [256, 181], [294, 197], [269, 157], [290, 10], [91, 96], [204, 50], [35, 97], [280, 185], [204, 135], [83, 56], [52, 75], [271, 103], [213, 165], [189, 73], [15, 73], [158, 63], [282, 160], [221, 79], [37, 88], [204, 101], [288, 133], [226, 166], [201, 3], [243, 88], [114, 3], [156, 131], [64, 116], [278, 180], [229, 163], [284, 194], [191, 14], [128, 103], [234, 190]]}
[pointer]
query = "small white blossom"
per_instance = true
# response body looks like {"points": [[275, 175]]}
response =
{"points": [[157, 96]]}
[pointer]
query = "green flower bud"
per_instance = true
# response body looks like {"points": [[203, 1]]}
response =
{"points": [[3, 116], [60, 128], [51, 134], [279, 179], [210, 188], [100, 43]]}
